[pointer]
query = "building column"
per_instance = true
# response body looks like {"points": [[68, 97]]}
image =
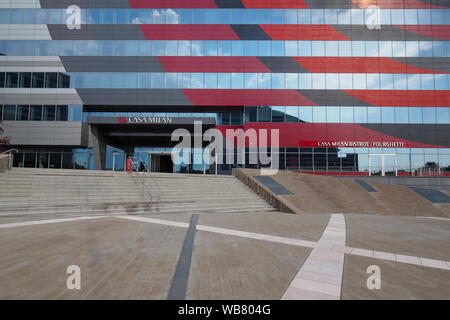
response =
{"points": [[98, 145]]}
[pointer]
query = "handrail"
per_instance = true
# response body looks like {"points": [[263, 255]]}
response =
{"points": [[9, 151]]}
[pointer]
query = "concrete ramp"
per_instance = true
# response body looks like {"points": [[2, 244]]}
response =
{"points": [[322, 194]]}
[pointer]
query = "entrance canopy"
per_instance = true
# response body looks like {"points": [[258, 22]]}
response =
{"points": [[129, 132]]}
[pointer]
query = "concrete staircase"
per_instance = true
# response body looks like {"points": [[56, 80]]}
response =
{"points": [[48, 192]]}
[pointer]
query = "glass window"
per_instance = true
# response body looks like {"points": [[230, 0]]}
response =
{"points": [[237, 81], [49, 113], [9, 112], [429, 115], [264, 80], [427, 81], [360, 114], [2, 79], [277, 16], [22, 113], [63, 81], [388, 115], [400, 82], [291, 48], [277, 114], [414, 82], [387, 81], [318, 48], [277, 48], [171, 80], [12, 79], [317, 16], [157, 80], [374, 115], [224, 80], [333, 115], [36, 113], [237, 48], [347, 115], [251, 80], [210, 80], [401, 115], [291, 114], [224, 48], [411, 17], [318, 81], [278, 81], [211, 48], [373, 81], [305, 81], [197, 80], [345, 48], [251, 48], [51, 80], [306, 114], [184, 48], [443, 115], [320, 114], [62, 113], [415, 115], [332, 81], [25, 80], [397, 16], [345, 81], [291, 81], [304, 48], [251, 114], [290, 16], [264, 114], [304, 16]]}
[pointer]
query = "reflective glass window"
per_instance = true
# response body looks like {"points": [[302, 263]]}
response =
{"points": [[306, 114], [62, 113], [36, 113], [49, 113], [12, 79], [22, 113]]}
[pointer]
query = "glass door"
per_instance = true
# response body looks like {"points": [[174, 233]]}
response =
{"points": [[118, 161], [383, 165]]}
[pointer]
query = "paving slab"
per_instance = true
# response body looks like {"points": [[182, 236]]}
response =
{"points": [[428, 238], [305, 227], [398, 280], [119, 259], [228, 267]]}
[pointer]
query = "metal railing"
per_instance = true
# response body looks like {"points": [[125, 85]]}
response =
{"points": [[11, 157]]}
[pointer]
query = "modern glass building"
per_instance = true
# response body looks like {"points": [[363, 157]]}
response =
{"points": [[355, 87]]}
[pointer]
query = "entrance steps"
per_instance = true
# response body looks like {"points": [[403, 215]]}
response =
{"points": [[47, 192]]}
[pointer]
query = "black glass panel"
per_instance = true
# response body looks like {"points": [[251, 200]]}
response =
{"points": [[36, 113], [55, 160], [2, 79], [63, 81], [49, 113], [38, 80], [22, 113], [51, 80], [9, 112], [25, 80], [12, 79], [62, 113]]}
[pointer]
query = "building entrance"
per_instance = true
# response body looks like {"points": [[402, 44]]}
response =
{"points": [[161, 162]]}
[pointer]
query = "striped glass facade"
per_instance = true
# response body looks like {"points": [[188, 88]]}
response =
{"points": [[353, 86]]}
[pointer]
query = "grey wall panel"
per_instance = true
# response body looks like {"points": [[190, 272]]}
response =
{"points": [[97, 32], [85, 3], [45, 133], [385, 33], [27, 96], [424, 133], [149, 97], [112, 64], [282, 65], [436, 63], [250, 32], [332, 98]]}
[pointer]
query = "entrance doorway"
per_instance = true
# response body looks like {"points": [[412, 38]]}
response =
{"points": [[383, 165], [161, 162]]}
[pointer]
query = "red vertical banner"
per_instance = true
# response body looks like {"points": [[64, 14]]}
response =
{"points": [[129, 166]]}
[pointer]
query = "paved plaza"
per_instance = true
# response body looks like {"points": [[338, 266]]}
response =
{"points": [[267, 255]]}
